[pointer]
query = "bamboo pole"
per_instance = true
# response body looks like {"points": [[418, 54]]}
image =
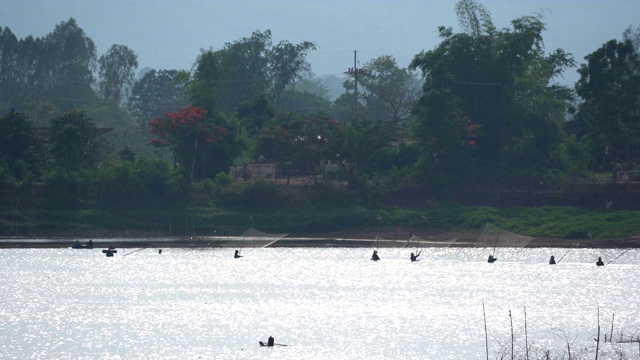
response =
{"points": [[486, 337]]}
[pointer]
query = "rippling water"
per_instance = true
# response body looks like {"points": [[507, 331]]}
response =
{"points": [[324, 303]]}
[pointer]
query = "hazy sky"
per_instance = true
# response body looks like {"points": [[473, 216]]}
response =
{"points": [[168, 34]]}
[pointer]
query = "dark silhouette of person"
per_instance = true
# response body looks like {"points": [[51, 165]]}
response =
{"points": [[491, 259], [90, 244], [270, 341], [599, 262], [237, 254], [414, 257], [76, 245], [159, 251], [375, 256], [552, 260]]}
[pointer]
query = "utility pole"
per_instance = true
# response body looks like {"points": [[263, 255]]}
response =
{"points": [[354, 71]]}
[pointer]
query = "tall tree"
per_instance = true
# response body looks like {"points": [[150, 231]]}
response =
{"points": [[117, 69], [243, 68], [391, 93], [501, 81], [610, 86], [66, 63], [157, 92], [203, 86], [287, 64], [632, 35]]}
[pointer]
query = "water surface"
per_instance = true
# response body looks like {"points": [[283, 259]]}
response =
{"points": [[324, 303]]}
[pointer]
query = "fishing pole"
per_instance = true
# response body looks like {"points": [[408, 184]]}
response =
{"points": [[565, 254], [377, 232], [618, 256], [249, 225], [133, 252]]}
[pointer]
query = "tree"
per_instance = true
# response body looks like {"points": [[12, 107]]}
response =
{"points": [[610, 87], [300, 143], [117, 72], [75, 142], [243, 69], [474, 18], [391, 93], [192, 136], [254, 114], [361, 143], [58, 67], [203, 86], [287, 64], [500, 82], [20, 148], [65, 64], [246, 68], [157, 92], [632, 35]]}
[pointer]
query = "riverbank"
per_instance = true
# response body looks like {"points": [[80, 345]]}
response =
{"points": [[356, 238]]}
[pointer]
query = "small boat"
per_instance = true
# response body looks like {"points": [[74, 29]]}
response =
{"points": [[77, 245]]}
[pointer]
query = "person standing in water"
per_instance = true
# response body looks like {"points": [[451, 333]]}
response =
{"points": [[491, 259], [599, 262], [237, 254], [552, 261], [414, 257], [375, 256]]}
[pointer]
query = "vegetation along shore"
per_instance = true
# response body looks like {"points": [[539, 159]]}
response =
{"points": [[477, 131]]}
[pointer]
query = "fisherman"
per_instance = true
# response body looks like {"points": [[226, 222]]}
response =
{"points": [[237, 254], [90, 244], [552, 261], [76, 245], [110, 251], [414, 257], [375, 256], [159, 251], [599, 262], [491, 259], [270, 341]]}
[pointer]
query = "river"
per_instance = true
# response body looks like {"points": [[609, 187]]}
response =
{"points": [[323, 303]]}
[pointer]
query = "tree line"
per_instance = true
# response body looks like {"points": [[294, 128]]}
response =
{"points": [[484, 108]]}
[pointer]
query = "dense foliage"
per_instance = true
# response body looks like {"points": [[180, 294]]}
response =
{"points": [[481, 118]]}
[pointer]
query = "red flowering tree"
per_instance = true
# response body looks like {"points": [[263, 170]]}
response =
{"points": [[190, 134]]}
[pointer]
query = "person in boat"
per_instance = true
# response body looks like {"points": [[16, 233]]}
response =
{"points": [[552, 260], [491, 259], [76, 245], [270, 341], [375, 256], [90, 244], [414, 257], [237, 254], [599, 262]]}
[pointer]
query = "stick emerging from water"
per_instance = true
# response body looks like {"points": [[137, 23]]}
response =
{"points": [[486, 337]]}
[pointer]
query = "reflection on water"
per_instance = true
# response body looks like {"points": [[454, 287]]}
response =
{"points": [[324, 303]]}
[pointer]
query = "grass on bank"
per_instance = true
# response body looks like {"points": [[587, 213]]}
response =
{"points": [[546, 221]]}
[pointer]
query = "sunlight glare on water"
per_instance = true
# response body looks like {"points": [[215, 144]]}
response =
{"points": [[323, 303]]}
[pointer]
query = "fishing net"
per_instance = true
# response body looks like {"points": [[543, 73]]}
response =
{"points": [[493, 236], [418, 242], [253, 238]]}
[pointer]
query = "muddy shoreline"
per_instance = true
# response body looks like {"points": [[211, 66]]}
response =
{"points": [[349, 238]]}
